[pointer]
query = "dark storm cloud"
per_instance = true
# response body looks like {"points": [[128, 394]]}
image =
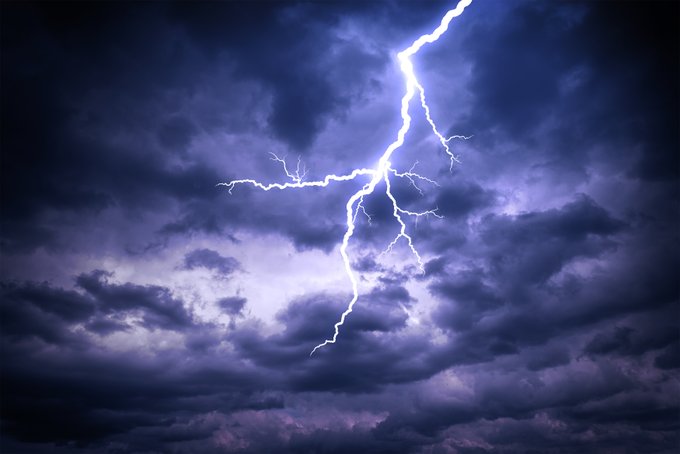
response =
{"points": [[607, 72], [315, 235], [176, 133], [72, 166], [435, 267], [78, 183], [522, 251], [104, 326], [44, 312], [397, 360], [367, 264], [484, 336], [627, 341], [512, 303], [115, 393], [232, 305], [508, 395], [472, 300], [67, 305], [142, 394], [58, 168], [459, 200], [517, 70], [532, 247], [290, 59], [211, 260], [37, 311], [156, 304], [670, 357], [554, 329], [548, 358]]}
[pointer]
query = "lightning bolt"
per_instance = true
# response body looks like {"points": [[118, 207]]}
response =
{"points": [[382, 170]]}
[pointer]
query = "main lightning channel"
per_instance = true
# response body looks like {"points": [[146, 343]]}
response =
{"points": [[382, 170]]}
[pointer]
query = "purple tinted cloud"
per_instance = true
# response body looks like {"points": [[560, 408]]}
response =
{"points": [[144, 309]]}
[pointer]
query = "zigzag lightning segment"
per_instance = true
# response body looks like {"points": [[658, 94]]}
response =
{"points": [[382, 170]]}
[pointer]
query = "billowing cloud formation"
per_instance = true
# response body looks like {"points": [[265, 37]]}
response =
{"points": [[144, 309], [211, 260]]}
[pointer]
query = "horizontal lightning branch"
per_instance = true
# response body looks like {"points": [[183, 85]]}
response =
{"points": [[297, 180], [381, 172], [411, 177]]}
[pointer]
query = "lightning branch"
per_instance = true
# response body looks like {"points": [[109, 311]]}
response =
{"points": [[382, 172]]}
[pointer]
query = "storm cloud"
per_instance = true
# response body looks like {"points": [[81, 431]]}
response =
{"points": [[145, 308]]}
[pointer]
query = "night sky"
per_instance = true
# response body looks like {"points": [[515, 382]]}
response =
{"points": [[145, 309]]}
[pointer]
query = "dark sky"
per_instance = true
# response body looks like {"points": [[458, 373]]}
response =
{"points": [[144, 309]]}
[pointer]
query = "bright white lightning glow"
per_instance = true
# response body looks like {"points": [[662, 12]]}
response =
{"points": [[381, 171]]}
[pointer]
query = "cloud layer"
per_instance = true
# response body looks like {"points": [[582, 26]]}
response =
{"points": [[144, 309]]}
